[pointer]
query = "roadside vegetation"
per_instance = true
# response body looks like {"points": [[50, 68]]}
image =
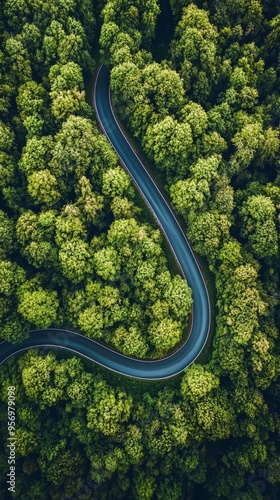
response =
{"points": [[77, 249]]}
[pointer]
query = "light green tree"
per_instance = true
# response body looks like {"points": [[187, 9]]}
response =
{"points": [[43, 188], [39, 306]]}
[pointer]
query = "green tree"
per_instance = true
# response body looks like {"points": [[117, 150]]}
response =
{"points": [[209, 231], [6, 234], [73, 151], [66, 77], [36, 154], [90, 203], [91, 321], [179, 298], [196, 116], [38, 305], [247, 142], [42, 187], [198, 382], [75, 259], [110, 410], [69, 225], [194, 50], [115, 182], [164, 89], [31, 100], [130, 342], [37, 378], [258, 217], [107, 264], [67, 102], [191, 195], [165, 334], [122, 208], [7, 137], [144, 485], [18, 61], [35, 234], [11, 277], [170, 144]]}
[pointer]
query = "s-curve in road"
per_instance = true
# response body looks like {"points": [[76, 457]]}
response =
{"points": [[78, 344]]}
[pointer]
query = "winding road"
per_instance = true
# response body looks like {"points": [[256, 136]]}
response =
{"points": [[78, 344]]}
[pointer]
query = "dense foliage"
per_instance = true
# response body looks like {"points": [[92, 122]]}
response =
{"points": [[76, 247], [208, 118]]}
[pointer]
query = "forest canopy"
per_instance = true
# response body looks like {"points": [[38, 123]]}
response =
{"points": [[196, 84], [77, 249]]}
